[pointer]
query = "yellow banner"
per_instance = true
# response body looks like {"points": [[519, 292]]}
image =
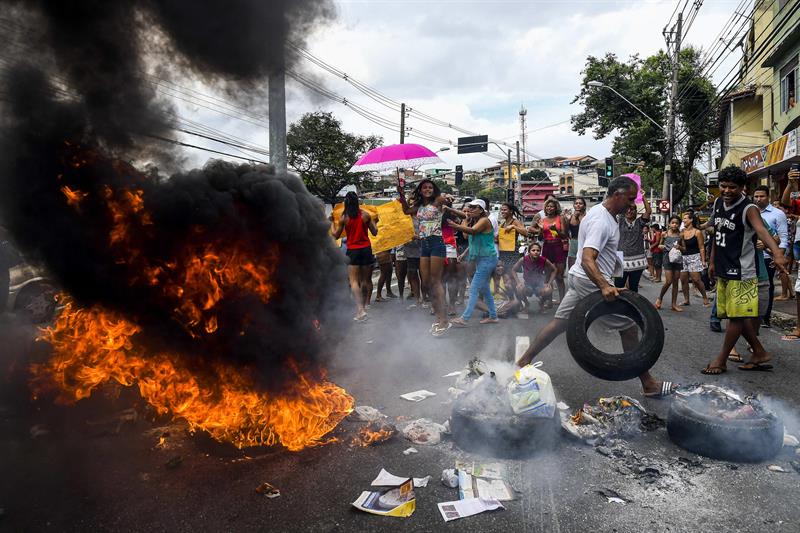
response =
{"points": [[394, 226]]}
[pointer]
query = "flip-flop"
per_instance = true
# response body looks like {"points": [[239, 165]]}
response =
{"points": [[667, 388], [755, 367], [438, 331], [459, 323], [735, 357], [714, 370], [790, 338], [489, 321]]}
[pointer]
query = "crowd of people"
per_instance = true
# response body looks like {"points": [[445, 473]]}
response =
{"points": [[494, 263]]}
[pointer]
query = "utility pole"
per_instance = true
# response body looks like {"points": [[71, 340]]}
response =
{"points": [[402, 123], [523, 135], [518, 194], [675, 37], [509, 168], [277, 120]]}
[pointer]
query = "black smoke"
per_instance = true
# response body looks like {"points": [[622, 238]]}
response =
{"points": [[76, 111]]}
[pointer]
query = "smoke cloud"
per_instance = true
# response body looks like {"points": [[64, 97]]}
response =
{"points": [[77, 109]]}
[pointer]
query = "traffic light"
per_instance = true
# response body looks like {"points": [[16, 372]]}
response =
{"points": [[609, 168], [510, 196], [459, 175]]}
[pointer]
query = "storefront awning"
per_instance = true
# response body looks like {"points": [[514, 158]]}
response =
{"points": [[775, 156]]}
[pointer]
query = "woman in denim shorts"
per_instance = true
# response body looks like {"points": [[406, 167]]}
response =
{"points": [[427, 206]]}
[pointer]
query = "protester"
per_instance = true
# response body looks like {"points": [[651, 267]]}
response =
{"points": [[538, 274], [775, 218], [450, 274], [553, 229], [694, 259], [411, 251], [504, 292], [356, 222], [736, 220], [400, 269], [578, 213], [763, 289], [385, 276], [509, 226], [631, 229], [482, 251], [598, 242], [791, 201], [657, 253], [671, 239], [426, 206]]}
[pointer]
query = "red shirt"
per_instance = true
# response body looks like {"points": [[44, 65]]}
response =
{"points": [[356, 230]]}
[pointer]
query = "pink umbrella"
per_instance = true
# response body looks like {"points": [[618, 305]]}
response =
{"points": [[638, 180], [395, 156]]}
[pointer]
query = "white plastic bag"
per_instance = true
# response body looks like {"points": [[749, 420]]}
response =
{"points": [[675, 255], [531, 392]]}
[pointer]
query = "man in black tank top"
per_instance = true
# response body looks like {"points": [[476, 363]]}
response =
{"points": [[737, 225]]}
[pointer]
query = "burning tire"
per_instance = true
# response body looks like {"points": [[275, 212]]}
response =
{"points": [[36, 301], [608, 366], [743, 440], [503, 435]]}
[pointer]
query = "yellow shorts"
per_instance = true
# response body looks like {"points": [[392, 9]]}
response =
{"points": [[737, 298]]}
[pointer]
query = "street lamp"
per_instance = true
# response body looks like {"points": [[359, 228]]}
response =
{"points": [[595, 83]]}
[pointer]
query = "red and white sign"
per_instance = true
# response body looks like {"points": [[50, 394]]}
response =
{"points": [[663, 206]]}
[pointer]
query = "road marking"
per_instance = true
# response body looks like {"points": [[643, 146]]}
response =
{"points": [[522, 343]]}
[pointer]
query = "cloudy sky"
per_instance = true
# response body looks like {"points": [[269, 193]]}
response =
{"points": [[473, 64]]}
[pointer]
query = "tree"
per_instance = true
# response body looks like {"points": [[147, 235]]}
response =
{"points": [[535, 175], [496, 195], [443, 186], [322, 154], [645, 82], [470, 186]]}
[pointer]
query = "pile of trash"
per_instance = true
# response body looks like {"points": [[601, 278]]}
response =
{"points": [[614, 417], [713, 400]]}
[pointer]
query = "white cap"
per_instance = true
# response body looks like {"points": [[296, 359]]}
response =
{"points": [[478, 203]]}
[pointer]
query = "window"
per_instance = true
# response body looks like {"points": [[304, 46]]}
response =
{"points": [[788, 85]]}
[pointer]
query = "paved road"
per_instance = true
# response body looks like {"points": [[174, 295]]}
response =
{"points": [[74, 479]]}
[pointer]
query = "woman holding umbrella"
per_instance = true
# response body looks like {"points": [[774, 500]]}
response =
{"points": [[427, 206], [357, 222]]}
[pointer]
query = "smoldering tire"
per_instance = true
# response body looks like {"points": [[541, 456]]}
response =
{"points": [[608, 366], [743, 440]]}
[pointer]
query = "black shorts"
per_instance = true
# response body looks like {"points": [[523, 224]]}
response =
{"points": [[413, 263], [658, 259], [361, 256], [674, 267]]}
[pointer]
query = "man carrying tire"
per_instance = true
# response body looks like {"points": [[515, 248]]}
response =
{"points": [[595, 266]]}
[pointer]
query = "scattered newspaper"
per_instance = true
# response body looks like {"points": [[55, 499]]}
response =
{"points": [[483, 480], [385, 479], [463, 508], [417, 395], [398, 501]]}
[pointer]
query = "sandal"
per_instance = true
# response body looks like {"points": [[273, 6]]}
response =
{"points": [[439, 330], [459, 322], [755, 367], [735, 357], [791, 337], [714, 370], [667, 388], [490, 321]]}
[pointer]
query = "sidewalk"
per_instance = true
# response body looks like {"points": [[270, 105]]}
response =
{"points": [[784, 313]]}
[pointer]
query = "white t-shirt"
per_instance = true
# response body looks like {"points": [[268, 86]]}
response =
{"points": [[496, 229], [599, 230]]}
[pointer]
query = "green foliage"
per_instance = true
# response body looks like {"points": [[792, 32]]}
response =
{"points": [[322, 154], [645, 82], [535, 175], [496, 195], [471, 186], [443, 186]]}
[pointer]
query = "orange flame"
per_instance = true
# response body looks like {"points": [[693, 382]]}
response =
{"points": [[373, 434], [73, 196], [92, 346]]}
